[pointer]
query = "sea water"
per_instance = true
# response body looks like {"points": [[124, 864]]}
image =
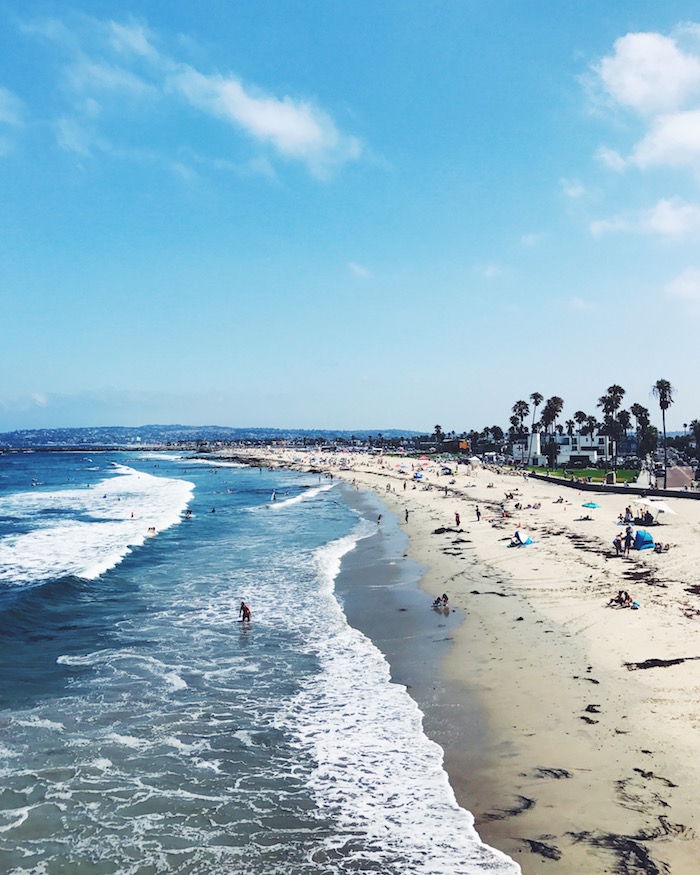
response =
{"points": [[145, 729]]}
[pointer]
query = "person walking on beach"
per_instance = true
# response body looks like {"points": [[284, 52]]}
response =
{"points": [[406, 517], [628, 541], [456, 519], [478, 513], [244, 611]]}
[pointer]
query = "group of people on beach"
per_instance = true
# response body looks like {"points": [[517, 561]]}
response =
{"points": [[623, 544]]}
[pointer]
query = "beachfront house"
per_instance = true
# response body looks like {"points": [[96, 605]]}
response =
{"points": [[584, 450]]}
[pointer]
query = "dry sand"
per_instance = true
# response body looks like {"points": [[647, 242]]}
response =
{"points": [[591, 762]]}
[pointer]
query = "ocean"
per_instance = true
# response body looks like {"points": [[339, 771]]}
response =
{"points": [[144, 728]]}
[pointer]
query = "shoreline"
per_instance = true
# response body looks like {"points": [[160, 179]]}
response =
{"points": [[589, 762]]}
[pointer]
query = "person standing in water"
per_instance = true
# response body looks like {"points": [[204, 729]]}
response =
{"points": [[244, 611]]}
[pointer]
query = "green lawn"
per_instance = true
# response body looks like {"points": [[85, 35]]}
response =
{"points": [[597, 475]]}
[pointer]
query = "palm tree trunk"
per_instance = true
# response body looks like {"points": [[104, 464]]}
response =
{"points": [[663, 418]]}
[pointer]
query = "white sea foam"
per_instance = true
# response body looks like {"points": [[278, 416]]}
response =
{"points": [[297, 499], [101, 525], [376, 771], [39, 723]]}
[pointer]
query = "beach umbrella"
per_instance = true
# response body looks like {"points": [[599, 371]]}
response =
{"points": [[660, 506], [590, 504]]}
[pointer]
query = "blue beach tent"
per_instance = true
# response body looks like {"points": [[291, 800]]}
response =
{"points": [[643, 540], [522, 538]]}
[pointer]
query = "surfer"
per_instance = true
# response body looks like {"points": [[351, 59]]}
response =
{"points": [[244, 611]]}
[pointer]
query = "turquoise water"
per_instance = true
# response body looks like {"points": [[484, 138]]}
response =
{"points": [[144, 729]]}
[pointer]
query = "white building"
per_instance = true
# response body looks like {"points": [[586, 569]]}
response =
{"points": [[588, 450], [524, 447]]}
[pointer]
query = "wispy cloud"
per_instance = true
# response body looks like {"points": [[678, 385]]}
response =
{"points": [[670, 218], [105, 61], [296, 129], [580, 304], [359, 270], [685, 286], [11, 108], [533, 239], [489, 271], [572, 188]]}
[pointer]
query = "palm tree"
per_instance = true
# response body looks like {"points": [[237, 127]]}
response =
{"points": [[695, 428], [570, 427], [625, 421], [579, 418], [641, 415], [521, 410], [610, 402], [590, 425], [536, 399], [554, 405], [663, 391]]}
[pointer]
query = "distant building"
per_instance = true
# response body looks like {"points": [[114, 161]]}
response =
{"points": [[584, 450]]}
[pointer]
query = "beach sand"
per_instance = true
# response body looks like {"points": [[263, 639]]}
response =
{"points": [[574, 736]]}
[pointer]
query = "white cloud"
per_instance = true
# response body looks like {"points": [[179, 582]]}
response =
{"points": [[91, 76], [572, 188], [580, 305], [606, 226], [132, 38], [11, 108], [685, 286], [359, 271], [670, 218], [489, 271], [295, 128], [72, 137], [611, 159], [674, 140], [649, 73]]}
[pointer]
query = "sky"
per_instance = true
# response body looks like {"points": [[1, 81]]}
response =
{"points": [[349, 215]]}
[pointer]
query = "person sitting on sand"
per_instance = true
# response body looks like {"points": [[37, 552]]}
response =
{"points": [[661, 548], [622, 600]]}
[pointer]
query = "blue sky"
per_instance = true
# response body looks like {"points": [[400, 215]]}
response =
{"points": [[345, 214]]}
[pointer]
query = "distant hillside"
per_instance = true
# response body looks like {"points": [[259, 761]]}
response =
{"points": [[164, 435]]}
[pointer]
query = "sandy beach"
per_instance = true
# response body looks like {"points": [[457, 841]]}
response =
{"points": [[587, 759]]}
